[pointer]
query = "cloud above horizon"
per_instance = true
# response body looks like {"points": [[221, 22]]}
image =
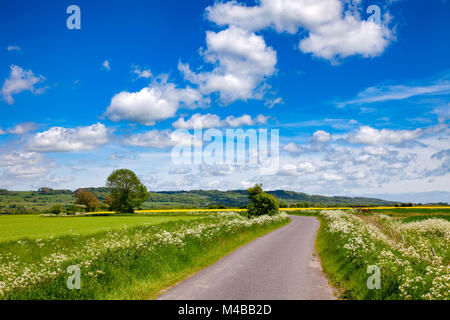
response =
{"points": [[20, 80]]}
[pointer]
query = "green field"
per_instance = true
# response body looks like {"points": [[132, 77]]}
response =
{"points": [[123, 263], [15, 227]]}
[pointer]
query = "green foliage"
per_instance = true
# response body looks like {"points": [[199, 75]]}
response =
{"points": [[261, 202], [87, 199], [57, 209], [127, 191], [409, 268], [300, 205]]}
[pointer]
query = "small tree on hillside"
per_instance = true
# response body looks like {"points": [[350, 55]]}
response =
{"points": [[261, 202], [127, 191], [87, 199]]}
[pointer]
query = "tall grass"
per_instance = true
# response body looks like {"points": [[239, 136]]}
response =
{"points": [[410, 269]]}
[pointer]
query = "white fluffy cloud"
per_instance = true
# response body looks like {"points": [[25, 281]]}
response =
{"points": [[306, 167], [20, 165], [161, 139], [372, 136], [346, 37], [334, 28], [204, 120], [209, 120], [20, 80], [59, 139], [283, 15], [321, 136], [242, 62], [291, 147], [159, 101]]}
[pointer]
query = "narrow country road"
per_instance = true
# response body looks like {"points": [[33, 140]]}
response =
{"points": [[277, 266]]}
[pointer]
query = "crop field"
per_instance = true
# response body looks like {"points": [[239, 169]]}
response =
{"points": [[410, 249], [15, 227], [132, 261]]}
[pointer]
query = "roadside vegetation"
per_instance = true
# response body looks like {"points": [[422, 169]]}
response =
{"points": [[261, 203], [125, 263], [412, 253]]}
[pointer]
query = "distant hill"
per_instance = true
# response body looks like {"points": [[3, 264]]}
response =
{"points": [[237, 198], [46, 197]]}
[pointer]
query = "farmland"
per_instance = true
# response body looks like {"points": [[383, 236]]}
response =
{"points": [[124, 256], [125, 262], [15, 227], [44, 198]]}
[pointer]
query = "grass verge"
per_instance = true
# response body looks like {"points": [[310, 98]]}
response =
{"points": [[131, 263], [413, 257]]}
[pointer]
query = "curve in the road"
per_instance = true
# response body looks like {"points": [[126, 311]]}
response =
{"points": [[278, 266]]}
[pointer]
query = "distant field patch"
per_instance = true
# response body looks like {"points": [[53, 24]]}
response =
{"points": [[421, 218], [15, 227]]}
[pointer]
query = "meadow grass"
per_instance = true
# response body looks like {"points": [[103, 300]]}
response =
{"points": [[15, 227], [127, 263]]}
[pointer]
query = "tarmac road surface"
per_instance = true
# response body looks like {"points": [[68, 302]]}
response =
{"points": [[277, 266]]}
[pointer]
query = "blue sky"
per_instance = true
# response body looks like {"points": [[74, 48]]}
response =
{"points": [[361, 109]]}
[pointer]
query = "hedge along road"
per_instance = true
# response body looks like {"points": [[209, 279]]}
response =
{"points": [[277, 266]]}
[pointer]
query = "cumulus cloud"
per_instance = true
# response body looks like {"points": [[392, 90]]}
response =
{"points": [[292, 147], [306, 167], [203, 120], [321, 136], [20, 80], [332, 177], [209, 120], [242, 62], [288, 170], [159, 101], [346, 37], [218, 170], [20, 165], [161, 139], [23, 128], [59, 139], [334, 29], [372, 136]]}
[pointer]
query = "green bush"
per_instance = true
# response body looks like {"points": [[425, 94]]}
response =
{"points": [[261, 202], [57, 209]]}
